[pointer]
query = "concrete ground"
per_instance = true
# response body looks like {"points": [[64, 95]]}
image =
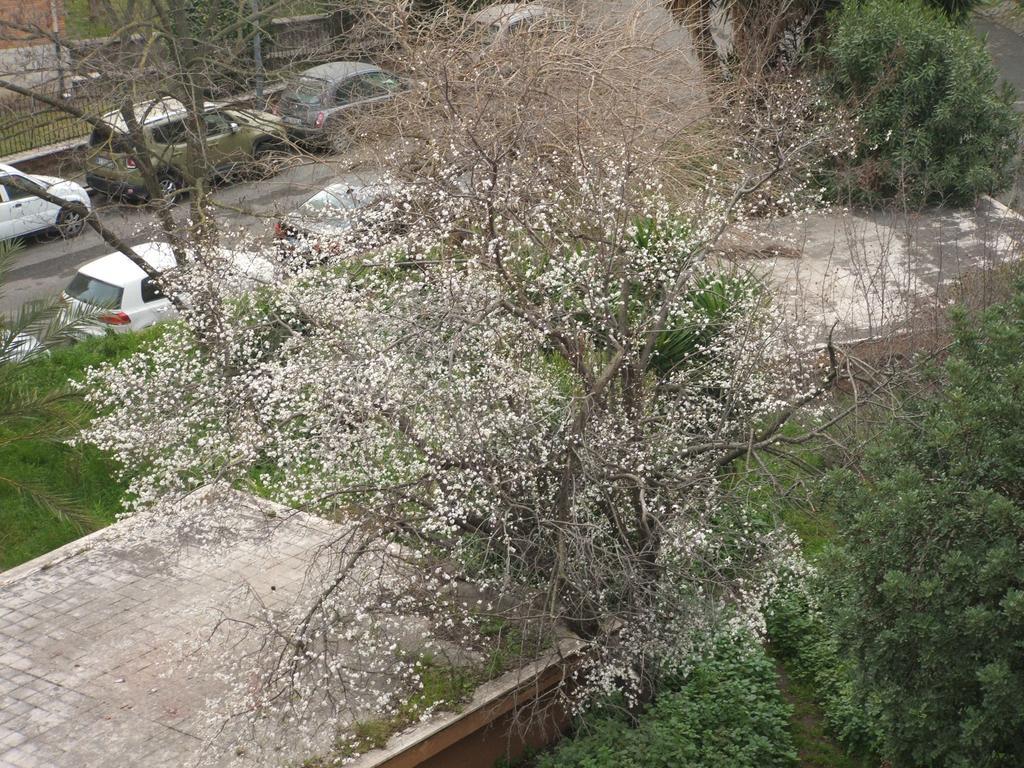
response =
{"points": [[1003, 30], [98, 661], [866, 271]]}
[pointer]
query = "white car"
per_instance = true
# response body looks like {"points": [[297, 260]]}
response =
{"points": [[23, 213], [308, 230], [129, 300]]}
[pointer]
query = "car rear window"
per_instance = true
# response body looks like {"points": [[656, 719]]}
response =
{"points": [[110, 140], [96, 292], [308, 92]]}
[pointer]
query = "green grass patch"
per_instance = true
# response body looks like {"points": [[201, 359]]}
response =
{"points": [[82, 478], [815, 746], [828, 729], [79, 26]]}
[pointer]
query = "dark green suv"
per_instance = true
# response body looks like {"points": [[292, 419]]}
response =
{"points": [[234, 140]]}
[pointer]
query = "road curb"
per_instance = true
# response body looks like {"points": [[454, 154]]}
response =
{"points": [[1003, 208], [41, 153], [999, 15]]}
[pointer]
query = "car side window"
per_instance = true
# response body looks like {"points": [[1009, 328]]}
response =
{"points": [[150, 290], [216, 124], [376, 84], [16, 192], [346, 92], [169, 133]]}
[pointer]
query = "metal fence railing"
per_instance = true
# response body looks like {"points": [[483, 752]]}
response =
{"points": [[291, 43], [27, 124]]}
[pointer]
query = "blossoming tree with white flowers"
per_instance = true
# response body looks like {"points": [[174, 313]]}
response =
{"points": [[518, 382]]}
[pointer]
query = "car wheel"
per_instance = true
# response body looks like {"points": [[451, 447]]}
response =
{"points": [[170, 187], [70, 223]]}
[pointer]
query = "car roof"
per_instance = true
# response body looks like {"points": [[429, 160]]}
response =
{"points": [[506, 13], [337, 70], [117, 269], [146, 112], [149, 112], [4, 168]]}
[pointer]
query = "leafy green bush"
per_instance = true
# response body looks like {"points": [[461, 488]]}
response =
{"points": [[927, 586], [714, 302], [727, 712], [934, 127]]}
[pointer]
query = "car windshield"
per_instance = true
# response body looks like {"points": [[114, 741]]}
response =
{"points": [[309, 92], [96, 292], [327, 201]]}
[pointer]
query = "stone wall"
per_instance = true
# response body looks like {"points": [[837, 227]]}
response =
{"points": [[30, 59]]}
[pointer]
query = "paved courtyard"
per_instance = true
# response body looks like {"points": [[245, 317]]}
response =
{"points": [[97, 639], [866, 271]]}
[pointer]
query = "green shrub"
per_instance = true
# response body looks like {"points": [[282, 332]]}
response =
{"points": [[727, 712], [933, 125], [927, 584]]}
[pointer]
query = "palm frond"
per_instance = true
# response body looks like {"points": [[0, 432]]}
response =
{"points": [[49, 322], [27, 415], [57, 505], [713, 300], [68, 322], [23, 407], [8, 250]]}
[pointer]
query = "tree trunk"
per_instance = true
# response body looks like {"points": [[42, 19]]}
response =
{"points": [[695, 15]]}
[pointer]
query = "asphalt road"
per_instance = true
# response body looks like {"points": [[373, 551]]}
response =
{"points": [[1007, 50], [47, 263]]}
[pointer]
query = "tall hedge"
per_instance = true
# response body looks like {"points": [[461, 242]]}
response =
{"points": [[928, 581], [934, 127]]}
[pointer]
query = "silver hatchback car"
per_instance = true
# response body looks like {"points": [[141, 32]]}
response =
{"points": [[313, 107]]}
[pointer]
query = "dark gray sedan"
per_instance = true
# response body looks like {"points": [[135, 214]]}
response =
{"points": [[313, 107]]}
